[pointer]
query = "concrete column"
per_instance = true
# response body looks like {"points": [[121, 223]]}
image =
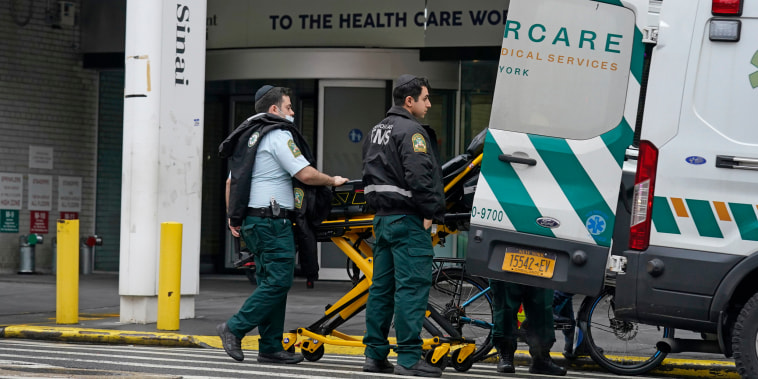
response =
{"points": [[162, 151]]}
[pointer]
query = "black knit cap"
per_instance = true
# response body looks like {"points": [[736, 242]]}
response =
{"points": [[262, 92], [404, 79]]}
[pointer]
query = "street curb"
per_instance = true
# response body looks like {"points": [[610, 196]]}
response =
{"points": [[98, 336], [679, 368]]}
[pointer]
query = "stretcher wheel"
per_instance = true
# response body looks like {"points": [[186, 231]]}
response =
{"points": [[441, 363], [314, 356], [463, 366]]}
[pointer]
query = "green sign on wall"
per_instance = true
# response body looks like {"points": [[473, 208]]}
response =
{"points": [[8, 221]]}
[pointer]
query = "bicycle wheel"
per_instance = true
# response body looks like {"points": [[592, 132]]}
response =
{"points": [[465, 303], [621, 347]]}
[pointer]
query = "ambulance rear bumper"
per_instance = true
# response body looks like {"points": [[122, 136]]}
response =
{"points": [[578, 268]]}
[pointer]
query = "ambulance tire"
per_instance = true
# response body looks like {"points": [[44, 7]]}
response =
{"points": [[744, 339], [610, 341]]}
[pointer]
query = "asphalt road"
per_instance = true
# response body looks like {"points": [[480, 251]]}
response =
{"points": [[24, 358]]}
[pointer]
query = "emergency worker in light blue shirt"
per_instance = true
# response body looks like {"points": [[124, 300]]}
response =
{"points": [[274, 168], [265, 153]]}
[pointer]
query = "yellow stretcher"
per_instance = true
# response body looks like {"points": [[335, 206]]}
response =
{"points": [[349, 228]]}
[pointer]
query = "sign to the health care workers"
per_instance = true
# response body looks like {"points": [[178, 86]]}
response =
{"points": [[350, 23], [556, 72]]}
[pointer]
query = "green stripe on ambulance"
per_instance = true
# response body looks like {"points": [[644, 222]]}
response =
{"points": [[709, 217]]}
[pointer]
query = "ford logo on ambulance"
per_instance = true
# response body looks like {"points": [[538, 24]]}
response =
{"points": [[695, 160], [548, 222]]}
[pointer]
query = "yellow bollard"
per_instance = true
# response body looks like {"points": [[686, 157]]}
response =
{"points": [[67, 281], [170, 278]]}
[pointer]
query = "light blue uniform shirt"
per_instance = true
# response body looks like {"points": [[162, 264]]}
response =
{"points": [[278, 160]]}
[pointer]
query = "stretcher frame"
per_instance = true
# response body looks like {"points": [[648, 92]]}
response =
{"points": [[349, 234]]}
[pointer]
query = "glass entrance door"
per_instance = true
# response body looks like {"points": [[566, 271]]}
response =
{"points": [[348, 109]]}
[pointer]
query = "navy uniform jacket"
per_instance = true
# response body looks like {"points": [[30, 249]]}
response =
{"points": [[401, 170]]}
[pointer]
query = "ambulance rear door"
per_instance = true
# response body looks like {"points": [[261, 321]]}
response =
{"points": [[563, 114]]}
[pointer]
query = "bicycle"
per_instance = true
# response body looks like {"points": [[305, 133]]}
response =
{"points": [[621, 347], [465, 301]]}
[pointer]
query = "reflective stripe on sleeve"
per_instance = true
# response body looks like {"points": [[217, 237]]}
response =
{"points": [[387, 188]]}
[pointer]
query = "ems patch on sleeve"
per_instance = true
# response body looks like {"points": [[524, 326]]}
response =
{"points": [[253, 139], [419, 144], [294, 149], [299, 195]]}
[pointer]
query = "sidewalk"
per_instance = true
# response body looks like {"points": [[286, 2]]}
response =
{"points": [[28, 310]]}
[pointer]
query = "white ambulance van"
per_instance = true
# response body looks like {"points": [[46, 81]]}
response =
{"points": [[575, 79]]}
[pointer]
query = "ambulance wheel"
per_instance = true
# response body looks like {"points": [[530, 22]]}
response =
{"points": [[745, 339], [441, 363], [314, 356], [463, 366]]}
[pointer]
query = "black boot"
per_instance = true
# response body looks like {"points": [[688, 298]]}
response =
{"points": [[505, 350], [543, 364]]}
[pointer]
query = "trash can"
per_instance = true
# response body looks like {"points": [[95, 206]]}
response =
{"points": [[26, 252], [87, 254], [85, 259]]}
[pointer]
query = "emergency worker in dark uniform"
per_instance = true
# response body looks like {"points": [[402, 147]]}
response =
{"points": [[538, 306], [403, 184], [264, 153]]}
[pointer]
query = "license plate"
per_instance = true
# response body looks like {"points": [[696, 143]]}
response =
{"points": [[529, 262]]}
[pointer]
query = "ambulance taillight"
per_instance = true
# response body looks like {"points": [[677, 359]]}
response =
{"points": [[726, 7], [642, 204]]}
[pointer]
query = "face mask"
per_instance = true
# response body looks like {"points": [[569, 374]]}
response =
{"points": [[287, 117]]}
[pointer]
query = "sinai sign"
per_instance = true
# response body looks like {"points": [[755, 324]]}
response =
{"points": [[182, 31]]}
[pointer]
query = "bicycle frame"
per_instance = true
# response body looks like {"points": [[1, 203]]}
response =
{"points": [[558, 325]]}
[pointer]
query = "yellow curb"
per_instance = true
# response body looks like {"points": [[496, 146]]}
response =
{"points": [[696, 368], [58, 333]]}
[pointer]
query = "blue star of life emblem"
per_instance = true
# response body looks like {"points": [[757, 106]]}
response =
{"points": [[595, 224]]}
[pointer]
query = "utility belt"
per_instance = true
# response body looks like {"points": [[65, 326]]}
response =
{"points": [[268, 213]]}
